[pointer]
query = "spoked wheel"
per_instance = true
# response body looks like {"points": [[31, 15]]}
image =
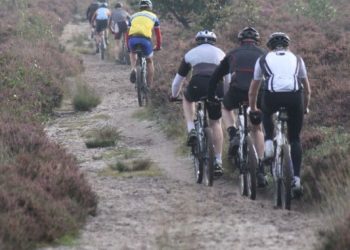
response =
{"points": [[102, 50], [286, 181], [197, 162], [208, 161], [252, 165], [139, 86], [242, 163]]}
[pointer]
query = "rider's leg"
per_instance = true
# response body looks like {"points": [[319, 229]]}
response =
{"points": [[188, 108], [150, 71], [218, 138], [258, 140]]}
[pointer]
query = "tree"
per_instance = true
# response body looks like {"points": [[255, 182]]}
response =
{"points": [[204, 12]]}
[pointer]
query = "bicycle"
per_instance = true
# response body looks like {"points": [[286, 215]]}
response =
{"points": [[124, 54], [202, 149], [103, 44], [246, 158], [141, 77], [281, 165]]}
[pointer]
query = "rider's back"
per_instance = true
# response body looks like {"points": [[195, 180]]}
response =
{"points": [[102, 13], [204, 59], [242, 62], [119, 15], [142, 23]]}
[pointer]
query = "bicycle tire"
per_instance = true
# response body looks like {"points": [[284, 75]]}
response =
{"points": [[277, 194], [139, 85], [102, 50], [252, 166], [208, 157], [197, 163], [286, 183], [242, 161]]}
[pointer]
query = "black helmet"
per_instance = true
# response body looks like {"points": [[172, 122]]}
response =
{"points": [[118, 5], [278, 39], [249, 33], [205, 36]]}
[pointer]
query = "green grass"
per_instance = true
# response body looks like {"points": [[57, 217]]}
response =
{"points": [[85, 98], [104, 137]]}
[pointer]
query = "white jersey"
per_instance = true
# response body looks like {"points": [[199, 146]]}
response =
{"points": [[282, 71], [102, 13], [204, 58]]}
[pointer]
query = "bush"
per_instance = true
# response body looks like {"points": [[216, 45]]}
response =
{"points": [[105, 137], [85, 98]]}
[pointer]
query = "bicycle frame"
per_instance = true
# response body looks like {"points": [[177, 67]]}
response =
{"points": [[141, 77], [282, 166], [280, 140], [247, 156]]}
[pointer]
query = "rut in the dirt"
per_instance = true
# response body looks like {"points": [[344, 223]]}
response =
{"points": [[165, 209]]}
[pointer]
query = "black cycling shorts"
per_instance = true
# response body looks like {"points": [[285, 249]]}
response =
{"points": [[122, 28], [235, 96], [198, 88], [101, 25]]}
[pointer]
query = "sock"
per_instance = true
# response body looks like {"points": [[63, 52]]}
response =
{"points": [[190, 126], [218, 158]]}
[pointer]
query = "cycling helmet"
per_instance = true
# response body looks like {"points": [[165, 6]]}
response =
{"points": [[278, 39], [146, 4], [249, 33], [104, 4], [118, 5], [205, 36]]}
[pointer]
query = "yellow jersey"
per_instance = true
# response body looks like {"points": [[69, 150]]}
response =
{"points": [[142, 24]]}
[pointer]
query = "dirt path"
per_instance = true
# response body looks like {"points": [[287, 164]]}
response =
{"points": [[162, 209]]}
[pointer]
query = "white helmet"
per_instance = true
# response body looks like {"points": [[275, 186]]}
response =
{"points": [[146, 3], [205, 36]]}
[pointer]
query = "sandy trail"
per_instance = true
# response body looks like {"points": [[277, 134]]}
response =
{"points": [[165, 210]]}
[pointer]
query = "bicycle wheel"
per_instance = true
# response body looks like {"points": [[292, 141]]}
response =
{"points": [[208, 157], [102, 50], [277, 180], [197, 162], [241, 160], [252, 165], [139, 85], [286, 181]]}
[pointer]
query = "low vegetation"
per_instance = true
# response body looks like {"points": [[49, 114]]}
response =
{"points": [[85, 98], [104, 137], [42, 192]]}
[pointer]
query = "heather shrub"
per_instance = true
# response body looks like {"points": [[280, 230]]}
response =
{"points": [[85, 98], [43, 196]]}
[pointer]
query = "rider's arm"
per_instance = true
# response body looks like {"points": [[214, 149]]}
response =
{"points": [[220, 71], [158, 37], [227, 80], [255, 86], [306, 84], [180, 76]]}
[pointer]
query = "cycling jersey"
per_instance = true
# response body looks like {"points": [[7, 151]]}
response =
{"points": [[142, 24], [282, 71], [202, 59], [91, 11], [102, 13], [119, 15]]}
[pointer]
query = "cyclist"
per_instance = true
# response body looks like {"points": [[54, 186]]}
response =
{"points": [[90, 13], [101, 16], [140, 32], [285, 84], [118, 24], [239, 63], [202, 59]]}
